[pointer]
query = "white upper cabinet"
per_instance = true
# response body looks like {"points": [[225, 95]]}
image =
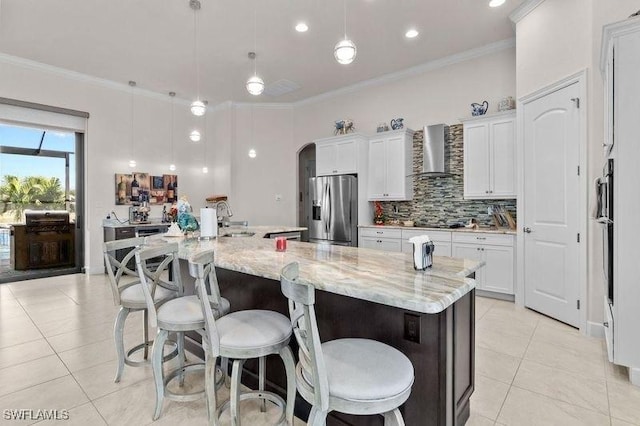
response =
{"points": [[338, 155], [391, 166], [489, 156]]}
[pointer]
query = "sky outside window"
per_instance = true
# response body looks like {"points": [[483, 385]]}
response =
{"points": [[26, 165]]}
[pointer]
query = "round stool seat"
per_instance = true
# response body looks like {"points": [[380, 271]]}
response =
{"points": [[176, 314], [133, 296], [253, 330], [364, 370]]}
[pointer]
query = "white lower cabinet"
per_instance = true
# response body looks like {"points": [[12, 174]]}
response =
{"points": [[497, 251], [380, 238], [386, 244], [441, 240]]}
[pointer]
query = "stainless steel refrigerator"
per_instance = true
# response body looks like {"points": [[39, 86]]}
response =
{"points": [[334, 210]]}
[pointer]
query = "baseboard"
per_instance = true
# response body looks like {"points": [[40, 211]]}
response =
{"points": [[494, 295], [634, 376], [595, 329], [95, 270]]}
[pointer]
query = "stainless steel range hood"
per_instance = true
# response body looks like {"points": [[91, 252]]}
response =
{"points": [[433, 148]]}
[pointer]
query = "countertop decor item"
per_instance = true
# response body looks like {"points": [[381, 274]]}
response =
{"points": [[382, 127], [343, 127], [397, 123], [479, 109], [378, 217], [506, 104]]}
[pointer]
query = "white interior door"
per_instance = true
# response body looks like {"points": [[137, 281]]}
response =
{"points": [[551, 198]]}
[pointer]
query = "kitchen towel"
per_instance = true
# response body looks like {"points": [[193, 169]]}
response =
{"points": [[208, 222]]}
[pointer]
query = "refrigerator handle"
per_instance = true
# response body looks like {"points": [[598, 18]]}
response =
{"points": [[330, 207], [325, 200]]}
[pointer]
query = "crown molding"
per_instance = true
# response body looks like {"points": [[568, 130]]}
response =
{"points": [[523, 10], [413, 71], [263, 105], [78, 76]]}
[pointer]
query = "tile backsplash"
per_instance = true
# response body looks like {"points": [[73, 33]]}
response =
{"points": [[439, 201]]}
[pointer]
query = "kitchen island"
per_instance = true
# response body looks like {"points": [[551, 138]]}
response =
{"points": [[429, 315]]}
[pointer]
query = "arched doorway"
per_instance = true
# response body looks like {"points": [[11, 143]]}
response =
{"points": [[306, 170]]}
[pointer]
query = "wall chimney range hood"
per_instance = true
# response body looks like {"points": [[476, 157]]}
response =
{"points": [[433, 161]]}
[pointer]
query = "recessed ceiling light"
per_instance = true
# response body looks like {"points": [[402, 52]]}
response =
{"points": [[302, 27], [412, 33], [496, 3]]}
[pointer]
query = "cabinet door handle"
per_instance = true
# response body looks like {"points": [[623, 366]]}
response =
{"points": [[605, 324], [527, 229], [481, 238], [380, 232]]}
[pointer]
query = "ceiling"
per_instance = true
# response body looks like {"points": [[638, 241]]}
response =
{"points": [[152, 41]]}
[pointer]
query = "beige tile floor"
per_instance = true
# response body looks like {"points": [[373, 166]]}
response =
{"points": [[56, 352]]}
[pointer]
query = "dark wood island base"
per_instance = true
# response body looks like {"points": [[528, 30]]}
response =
{"points": [[443, 359]]}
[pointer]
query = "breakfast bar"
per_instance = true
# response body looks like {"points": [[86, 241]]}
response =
{"points": [[427, 315]]}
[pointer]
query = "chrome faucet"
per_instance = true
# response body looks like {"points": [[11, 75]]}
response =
{"points": [[227, 210]]}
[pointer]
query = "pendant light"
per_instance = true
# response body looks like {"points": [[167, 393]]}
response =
{"points": [[195, 136], [132, 162], [172, 166], [198, 108], [345, 51], [255, 85]]}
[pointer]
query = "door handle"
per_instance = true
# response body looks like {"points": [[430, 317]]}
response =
{"points": [[527, 229]]}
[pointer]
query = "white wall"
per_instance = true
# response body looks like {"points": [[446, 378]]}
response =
{"points": [[256, 181], [440, 96], [557, 39], [108, 140]]}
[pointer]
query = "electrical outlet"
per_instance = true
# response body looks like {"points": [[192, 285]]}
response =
{"points": [[412, 327]]}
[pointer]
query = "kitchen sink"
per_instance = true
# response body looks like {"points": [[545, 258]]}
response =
{"points": [[240, 234]]}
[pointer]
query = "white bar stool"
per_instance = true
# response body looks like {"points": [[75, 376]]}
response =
{"points": [[128, 293], [245, 335], [351, 376], [178, 315]]}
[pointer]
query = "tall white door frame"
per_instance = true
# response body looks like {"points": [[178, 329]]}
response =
{"points": [[581, 79]]}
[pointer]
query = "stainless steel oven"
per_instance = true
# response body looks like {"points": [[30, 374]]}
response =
{"points": [[605, 217]]}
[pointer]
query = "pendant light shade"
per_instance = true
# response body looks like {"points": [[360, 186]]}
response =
{"points": [[198, 108], [132, 163], [172, 167], [205, 169], [345, 52], [255, 85], [195, 136]]}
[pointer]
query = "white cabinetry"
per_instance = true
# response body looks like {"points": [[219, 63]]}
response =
{"points": [[391, 166], [496, 250], [489, 156], [441, 240], [380, 238], [620, 65], [339, 155]]}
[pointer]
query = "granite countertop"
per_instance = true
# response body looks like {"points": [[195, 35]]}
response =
{"points": [[487, 230], [380, 277]]}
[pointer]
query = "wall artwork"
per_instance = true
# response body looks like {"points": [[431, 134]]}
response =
{"points": [[138, 187]]}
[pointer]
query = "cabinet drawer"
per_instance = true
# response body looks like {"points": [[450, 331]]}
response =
{"points": [[436, 236], [380, 232], [123, 233], [482, 238], [384, 244]]}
